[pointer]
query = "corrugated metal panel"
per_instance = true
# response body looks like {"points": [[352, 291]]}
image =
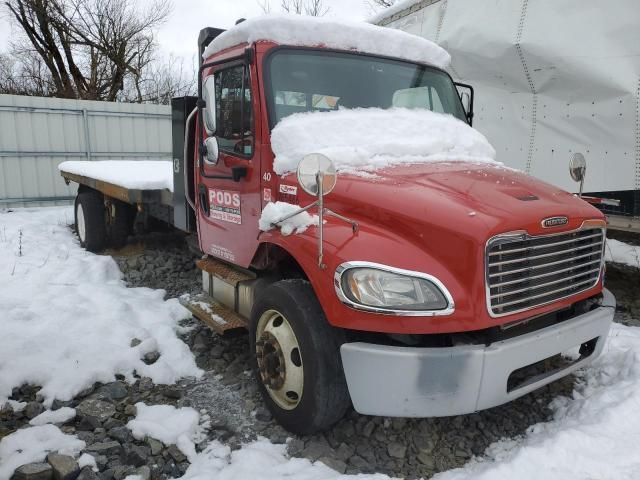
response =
{"points": [[37, 134]]}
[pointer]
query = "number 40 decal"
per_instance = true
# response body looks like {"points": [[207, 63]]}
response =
{"points": [[267, 177]]}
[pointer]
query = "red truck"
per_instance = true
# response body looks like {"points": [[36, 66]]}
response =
{"points": [[424, 289]]}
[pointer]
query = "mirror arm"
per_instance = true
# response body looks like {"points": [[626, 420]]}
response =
{"points": [[320, 183]]}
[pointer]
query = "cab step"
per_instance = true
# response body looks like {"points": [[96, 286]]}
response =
{"points": [[229, 274], [213, 314]]}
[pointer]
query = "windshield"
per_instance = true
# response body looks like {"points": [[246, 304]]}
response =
{"points": [[305, 80]]}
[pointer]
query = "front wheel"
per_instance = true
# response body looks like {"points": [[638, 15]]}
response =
{"points": [[296, 358]]}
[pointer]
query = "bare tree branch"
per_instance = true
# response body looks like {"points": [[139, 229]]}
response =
{"points": [[314, 8], [91, 49]]}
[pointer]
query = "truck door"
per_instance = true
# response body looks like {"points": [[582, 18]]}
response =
{"points": [[228, 208]]}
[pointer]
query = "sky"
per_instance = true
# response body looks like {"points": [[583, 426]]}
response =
{"points": [[178, 36]]}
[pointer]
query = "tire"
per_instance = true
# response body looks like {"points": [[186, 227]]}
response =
{"points": [[320, 398], [89, 213], [121, 227]]}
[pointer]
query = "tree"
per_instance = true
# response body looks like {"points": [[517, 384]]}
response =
{"points": [[314, 8], [88, 49]]}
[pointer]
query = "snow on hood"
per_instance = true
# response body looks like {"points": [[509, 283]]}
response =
{"points": [[300, 30], [367, 139]]}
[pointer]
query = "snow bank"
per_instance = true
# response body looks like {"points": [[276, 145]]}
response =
{"points": [[619, 252], [595, 434], [397, 7], [261, 459], [170, 425], [372, 138], [30, 445], [134, 174], [62, 415], [296, 224], [67, 317], [300, 30]]}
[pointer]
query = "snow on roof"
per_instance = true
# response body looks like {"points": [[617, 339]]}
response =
{"points": [[132, 174], [302, 30], [372, 138], [397, 7]]}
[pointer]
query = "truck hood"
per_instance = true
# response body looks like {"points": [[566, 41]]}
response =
{"points": [[468, 199]]}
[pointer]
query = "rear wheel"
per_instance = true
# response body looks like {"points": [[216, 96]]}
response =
{"points": [[90, 220], [296, 358]]}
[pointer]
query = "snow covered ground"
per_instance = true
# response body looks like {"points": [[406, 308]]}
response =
{"points": [[624, 253], [62, 308], [68, 320]]}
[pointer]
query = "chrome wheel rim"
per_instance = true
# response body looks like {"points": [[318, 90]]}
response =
{"points": [[279, 360], [80, 225]]}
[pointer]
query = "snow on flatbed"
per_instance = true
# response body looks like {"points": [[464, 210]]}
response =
{"points": [[131, 174], [298, 30]]}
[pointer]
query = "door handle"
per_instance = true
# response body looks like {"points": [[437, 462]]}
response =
{"points": [[204, 198]]}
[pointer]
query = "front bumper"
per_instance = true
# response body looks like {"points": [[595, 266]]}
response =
{"points": [[433, 382]]}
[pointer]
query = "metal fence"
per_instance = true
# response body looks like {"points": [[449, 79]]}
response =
{"points": [[37, 134]]}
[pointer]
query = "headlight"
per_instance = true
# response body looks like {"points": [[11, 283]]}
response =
{"points": [[385, 289]]}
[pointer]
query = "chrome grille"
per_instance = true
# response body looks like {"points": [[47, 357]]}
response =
{"points": [[524, 272]]}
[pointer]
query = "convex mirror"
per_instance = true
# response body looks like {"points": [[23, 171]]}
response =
{"points": [[577, 167], [309, 169]]}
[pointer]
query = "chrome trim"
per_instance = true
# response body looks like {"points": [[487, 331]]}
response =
{"points": [[524, 235], [342, 268], [544, 255], [535, 287], [542, 275], [535, 267], [535, 247], [552, 223]]}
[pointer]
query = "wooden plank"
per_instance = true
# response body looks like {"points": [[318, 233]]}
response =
{"points": [[132, 196]]}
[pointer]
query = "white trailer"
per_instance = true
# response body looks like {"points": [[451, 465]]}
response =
{"points": [[551, 78]]}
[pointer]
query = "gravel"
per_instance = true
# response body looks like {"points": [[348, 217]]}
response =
{"points": [[410, 448]]}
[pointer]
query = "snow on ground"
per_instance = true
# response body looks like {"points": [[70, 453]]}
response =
{"points": [[67, 317], [373, 138], [299, 223], [620, 252], [32, 444], [299, 30], [594, 435], [64, 308], [62, 415], [170, 425], [261, 459], [134, 174]]}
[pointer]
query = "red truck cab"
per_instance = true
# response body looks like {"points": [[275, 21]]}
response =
{"points": [[443, 288]]}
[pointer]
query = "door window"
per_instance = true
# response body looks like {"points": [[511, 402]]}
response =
{"points": [[234, 112]]}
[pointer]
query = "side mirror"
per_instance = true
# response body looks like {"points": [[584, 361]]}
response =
{"points": [[465, 92], [578, 169], [209, 113], [317, 174], [212, 152]]}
